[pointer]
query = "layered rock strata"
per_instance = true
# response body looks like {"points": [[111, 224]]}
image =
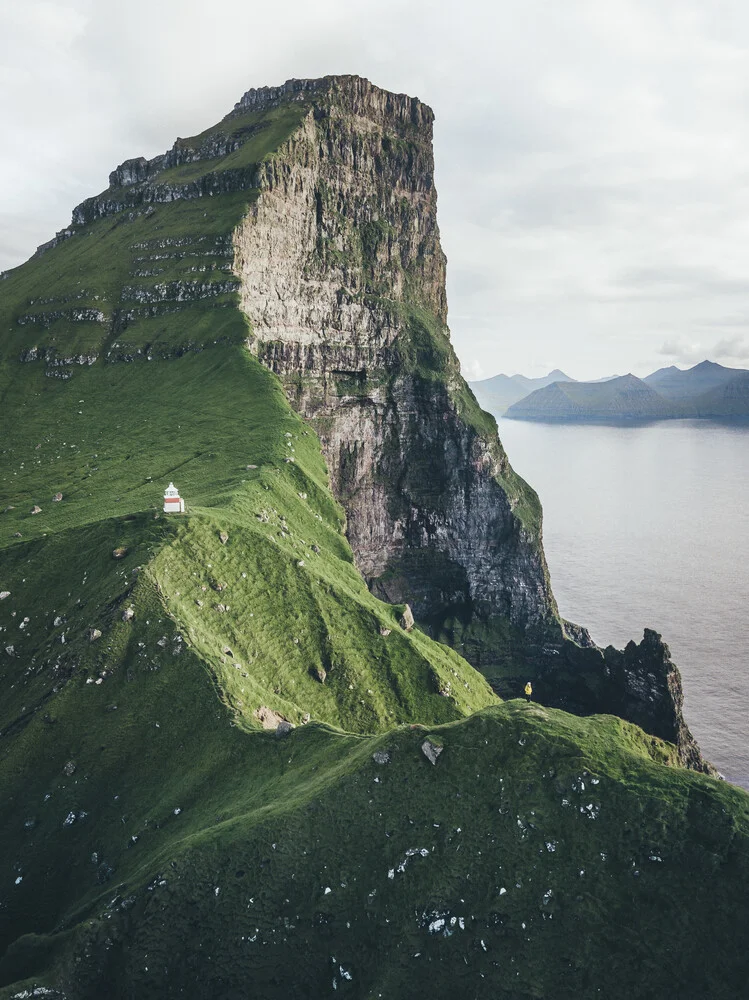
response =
{"points": [[342, 277]]}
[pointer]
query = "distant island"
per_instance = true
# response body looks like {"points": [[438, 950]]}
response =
{"points": [[708, 390]]}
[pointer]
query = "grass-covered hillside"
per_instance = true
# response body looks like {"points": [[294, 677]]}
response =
{"points": [[161, 835]]}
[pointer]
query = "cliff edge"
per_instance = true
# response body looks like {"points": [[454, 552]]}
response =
{"points": [[342, 278]]}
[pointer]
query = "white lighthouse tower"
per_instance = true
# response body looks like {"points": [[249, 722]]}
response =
{"points": [[173, 503]]}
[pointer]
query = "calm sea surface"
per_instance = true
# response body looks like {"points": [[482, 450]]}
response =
{"points": [[649, 526]]}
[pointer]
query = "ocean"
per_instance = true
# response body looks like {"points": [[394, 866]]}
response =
{"points": [[648, 526]]}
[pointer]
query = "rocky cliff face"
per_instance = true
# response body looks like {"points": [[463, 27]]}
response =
{"points": [[342, 278]]}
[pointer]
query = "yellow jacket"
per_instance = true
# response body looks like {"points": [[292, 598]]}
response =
{"points": [[528, 688]]}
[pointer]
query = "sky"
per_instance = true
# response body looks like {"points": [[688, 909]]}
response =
{"points": [[592, 156]]}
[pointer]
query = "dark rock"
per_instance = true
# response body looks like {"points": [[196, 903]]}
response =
{"points": [[319, 673], [284, 728]]}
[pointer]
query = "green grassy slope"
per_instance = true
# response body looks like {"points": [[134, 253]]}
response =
{"points": [[542, 856], [294, 604], [154, 841]]}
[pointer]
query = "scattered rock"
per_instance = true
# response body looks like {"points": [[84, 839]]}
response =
{"points": [[300, 562], [250, 466], [10, 650], [227, 651], [69, 768], [128, 614], [17, 534], [7, 509], [220, 608], [316, 549], [385, 631], [223, 537], [319, 673], [120, 552], [36, 510], [94, 634], [268, 718], [4, 594], [57, 498], [199, 603], [284, 728], [381, 757], [431, 750], [305, 718], [218, 586]]}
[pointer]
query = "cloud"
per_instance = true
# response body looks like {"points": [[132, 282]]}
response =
{"points": [[730, 351]]}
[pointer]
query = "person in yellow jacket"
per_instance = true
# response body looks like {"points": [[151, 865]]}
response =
{"points": [[528, 691]]}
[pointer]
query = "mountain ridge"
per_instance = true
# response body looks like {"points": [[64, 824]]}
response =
{"points": [[707, 390], [399, 820]]}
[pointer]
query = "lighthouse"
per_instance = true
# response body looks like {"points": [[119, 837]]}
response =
{"points": [[173, 503]]}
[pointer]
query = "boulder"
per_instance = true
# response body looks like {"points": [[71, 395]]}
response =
{"points": [[406, 620], [385, 631], [319, 673], [223, 537], [431, 750], [120, 552], [94, 634], [267, 718], [381, 757], [36, 510], [57, 498], [4, 594], [128, 614], [284, 728]]}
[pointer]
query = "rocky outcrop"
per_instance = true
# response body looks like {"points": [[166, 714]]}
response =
{"points": [[342, 278]]}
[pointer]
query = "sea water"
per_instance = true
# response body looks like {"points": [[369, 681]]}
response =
{"points": [[648, 526]]}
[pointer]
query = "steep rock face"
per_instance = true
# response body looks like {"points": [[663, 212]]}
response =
{"points": [[342, 278]]}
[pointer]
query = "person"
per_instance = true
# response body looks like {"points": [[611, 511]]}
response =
{"points": [[528, 691]]}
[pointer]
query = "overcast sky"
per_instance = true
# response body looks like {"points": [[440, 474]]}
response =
{"points": [[592, 155]]}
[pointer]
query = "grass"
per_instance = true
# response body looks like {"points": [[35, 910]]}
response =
{"points": [[155, 841], [570, 858]]}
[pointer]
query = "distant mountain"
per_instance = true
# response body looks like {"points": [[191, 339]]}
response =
{"points": [[706, 390], [675, 384], [730, 399], [497, 393], [623, 398]]}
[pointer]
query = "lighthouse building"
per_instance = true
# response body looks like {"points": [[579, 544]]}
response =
{"points": [[173, 503]]}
